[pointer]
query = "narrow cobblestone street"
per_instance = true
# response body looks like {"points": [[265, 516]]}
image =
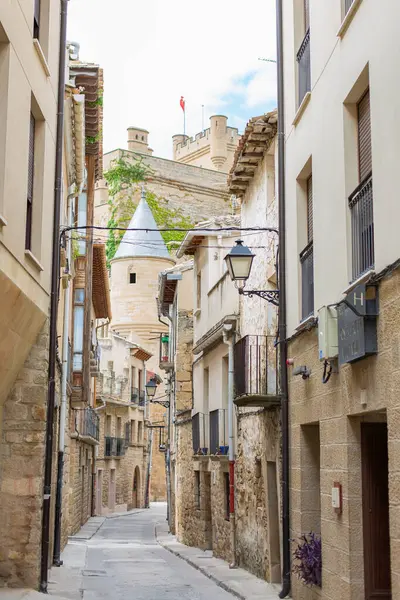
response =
{"points": [[123, 560]]}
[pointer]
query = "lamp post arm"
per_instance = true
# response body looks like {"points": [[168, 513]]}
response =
{"points": [[271, 296]]}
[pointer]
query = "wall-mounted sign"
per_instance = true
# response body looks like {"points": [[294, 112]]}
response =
{"points": [[357, 315]]}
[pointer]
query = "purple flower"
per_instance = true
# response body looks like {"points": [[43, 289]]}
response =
{"points": [[308, 555]]}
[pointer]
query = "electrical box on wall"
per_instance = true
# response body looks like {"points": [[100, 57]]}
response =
{"points": [[328, 333]]}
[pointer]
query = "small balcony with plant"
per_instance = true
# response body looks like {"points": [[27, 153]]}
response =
{"points": [[165, 361], [256, 375]]}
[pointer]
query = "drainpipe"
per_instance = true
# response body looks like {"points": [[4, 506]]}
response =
{"points": [[286, 567], [55, 275], [148, 475], [63, 409], [229, 340], [146, 409]]}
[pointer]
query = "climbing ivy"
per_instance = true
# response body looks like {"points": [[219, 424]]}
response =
{"points": [[123, 176]]}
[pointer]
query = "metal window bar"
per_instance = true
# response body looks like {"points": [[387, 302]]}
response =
{"points": [[307, 281], [256, 366], [120, 447], [134, 395], [200, 433], [90, 423], [304, 69], [347, 5], [362, 227], [142, 398]]}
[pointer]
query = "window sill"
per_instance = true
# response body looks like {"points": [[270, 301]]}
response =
{"points": [[41, 56], [362, 279], [309, 321], [3, 221], [34, 260], [348, 18], [305, 102], [197, 312]]}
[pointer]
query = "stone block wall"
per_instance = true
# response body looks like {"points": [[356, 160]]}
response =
{"points": [[257, 526], [22, 450], [365, 391], [80, 484], [220, 526]]}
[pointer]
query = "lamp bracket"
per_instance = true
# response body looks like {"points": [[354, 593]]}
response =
{"points": [[271, 296], [164, 403]]}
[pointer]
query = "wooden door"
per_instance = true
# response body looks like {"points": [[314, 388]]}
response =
{"points": [[375, 511], [99, 495]]}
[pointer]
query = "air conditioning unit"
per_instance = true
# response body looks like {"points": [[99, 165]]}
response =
{"points": [[328, 333]]}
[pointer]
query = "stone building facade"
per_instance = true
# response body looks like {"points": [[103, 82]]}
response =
{"points": [[258, 466], [209, 522], [343, 253], [214, 148]]}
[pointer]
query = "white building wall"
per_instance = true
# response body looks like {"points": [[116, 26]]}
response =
{"points": [[325, 135]]}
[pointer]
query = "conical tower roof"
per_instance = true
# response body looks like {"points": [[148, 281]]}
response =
{"points": [[142, 243]]}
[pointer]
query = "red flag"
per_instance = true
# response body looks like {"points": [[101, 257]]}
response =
{"points": [[182, 103]]}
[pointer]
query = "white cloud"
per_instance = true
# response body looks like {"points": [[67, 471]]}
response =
{"points": [[155, 51]]}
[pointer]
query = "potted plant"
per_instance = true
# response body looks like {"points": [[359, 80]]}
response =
{"points": [[308, 557]]}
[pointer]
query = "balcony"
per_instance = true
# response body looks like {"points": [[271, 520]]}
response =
{"points": [[165, 349], [362, 228], [87, 424], [200, 434], [134, 396], [114, 447], [142, 398], [307, 281], [304, 67], [219, 432], [256, 372]]}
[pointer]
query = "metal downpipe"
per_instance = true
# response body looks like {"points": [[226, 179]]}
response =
{"points": [[286, 566], [55, 275]]}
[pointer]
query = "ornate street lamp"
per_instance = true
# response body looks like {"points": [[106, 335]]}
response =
{"points": [[151, 388], [239, 262]]}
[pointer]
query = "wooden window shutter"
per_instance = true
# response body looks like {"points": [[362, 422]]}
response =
{"points": [[306, 15], [364, 137], [309, 210]]}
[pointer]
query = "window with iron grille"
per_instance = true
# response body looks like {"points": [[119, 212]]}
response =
{"points": [[361, 200], [304, 68], [31, 174], [36, 19], [226, 495], [307, 260]]}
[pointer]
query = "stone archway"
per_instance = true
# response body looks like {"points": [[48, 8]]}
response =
{"points": [[136, 490]]}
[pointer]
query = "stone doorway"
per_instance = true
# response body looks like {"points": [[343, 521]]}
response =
{"points": [[136, 489], [111, 490], [99, 495], [375, 504]]}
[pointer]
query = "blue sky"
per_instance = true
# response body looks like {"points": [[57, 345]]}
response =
{"points": [[154, 52]]}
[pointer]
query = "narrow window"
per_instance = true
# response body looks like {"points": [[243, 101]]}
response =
{"points": [[140, 432], [361, 200], [81, 222], [108, 425], [31, 170], [198, 290], [132, 277], [36, 19], [132, 432], [304, 57], [197, 489], [119, 427], [226, 495], [307, 259], [79, 298]]}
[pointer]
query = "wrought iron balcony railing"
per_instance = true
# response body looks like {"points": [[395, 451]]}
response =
{"points": [[307, 281], [142, 398], [219, 431], [304, 70], [200, 433], [256, 371], [114, 446], [362, 227], [134, 396], [87, 423]]}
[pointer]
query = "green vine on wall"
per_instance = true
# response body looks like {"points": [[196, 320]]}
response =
{"points": [[125, 176]]}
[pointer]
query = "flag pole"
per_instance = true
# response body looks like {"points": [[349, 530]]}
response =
{"points": [[184, 121]]}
